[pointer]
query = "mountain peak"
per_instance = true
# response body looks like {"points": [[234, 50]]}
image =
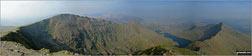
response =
{"points": [[221, 35], [221, 23], [67, 15], [86, 36], [223, 26]]}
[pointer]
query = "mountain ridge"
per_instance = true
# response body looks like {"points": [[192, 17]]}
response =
{"points": [[225, 41], [86, 35]]}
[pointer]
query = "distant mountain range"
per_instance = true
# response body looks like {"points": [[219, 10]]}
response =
{"points": [[7, 28], [215, 39], [121, 35]]}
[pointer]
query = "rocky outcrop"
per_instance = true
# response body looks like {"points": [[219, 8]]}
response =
{"points": [[86, 35]]}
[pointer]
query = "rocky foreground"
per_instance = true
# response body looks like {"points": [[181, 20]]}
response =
{"points": [[9, 48]]}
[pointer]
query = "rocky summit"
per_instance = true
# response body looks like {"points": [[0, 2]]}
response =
{"points": [[86, 35]]}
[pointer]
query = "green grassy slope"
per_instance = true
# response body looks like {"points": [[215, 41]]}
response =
{"points": [[226, 42], [208, 39]]}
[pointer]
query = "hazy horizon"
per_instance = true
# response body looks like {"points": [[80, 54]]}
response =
{"points": [[18, 13], [125, 27]]}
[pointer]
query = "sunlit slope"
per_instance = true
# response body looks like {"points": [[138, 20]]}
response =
{"points": [[226, 41], [207, 39], [86, 35]]}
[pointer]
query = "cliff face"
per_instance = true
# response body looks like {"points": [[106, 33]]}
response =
{"points": [[86, 35], [226, 41]]}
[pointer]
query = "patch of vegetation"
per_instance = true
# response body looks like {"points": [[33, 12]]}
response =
{"points": [[45, 50], [154, 51], [184, 51], [64, 52], [166, 50]]}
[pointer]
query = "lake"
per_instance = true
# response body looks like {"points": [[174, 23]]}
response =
{"points": [[182, 42]]}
